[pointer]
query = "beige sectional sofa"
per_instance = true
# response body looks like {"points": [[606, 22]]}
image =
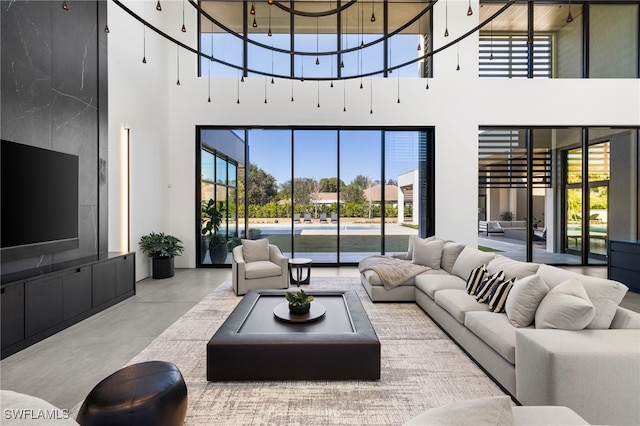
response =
{"points": [[592, 369]]}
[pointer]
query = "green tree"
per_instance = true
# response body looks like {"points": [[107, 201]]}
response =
{"points": [[331, 185], [353, 193], [262, 186], [303, 189]]}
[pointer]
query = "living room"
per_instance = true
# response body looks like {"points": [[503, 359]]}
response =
{"points": [[90, 95]]}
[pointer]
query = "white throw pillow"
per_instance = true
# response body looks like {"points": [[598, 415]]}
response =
{"points": [[255, 250], [523, 300], [450, 253], [412, 241], [565, 307], [427, 253], [494, 410], [469, 259]]}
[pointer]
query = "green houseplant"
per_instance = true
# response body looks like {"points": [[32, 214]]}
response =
{"points": [[211, 238], [162, 249], [299, 302]]}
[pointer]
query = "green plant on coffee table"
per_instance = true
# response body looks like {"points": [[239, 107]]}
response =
{"points": [[298, 299]]}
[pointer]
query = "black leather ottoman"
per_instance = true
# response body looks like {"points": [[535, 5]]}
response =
{"points": [[254, 345], [150, 393]]}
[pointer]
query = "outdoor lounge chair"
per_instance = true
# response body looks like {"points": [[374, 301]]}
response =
{"points": [[307, 218], [334, 217], [323, 218], [296, 217]]}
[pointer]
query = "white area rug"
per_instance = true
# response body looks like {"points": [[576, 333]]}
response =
{"points": [[421, 368]]}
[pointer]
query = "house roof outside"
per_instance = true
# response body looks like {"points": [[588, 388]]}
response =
{"points": [[375, 193]]}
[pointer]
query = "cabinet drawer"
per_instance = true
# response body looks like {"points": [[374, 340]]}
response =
{"points": [[103, 282], [42, 305], [76, 289], [12, 311], [620, 246]]}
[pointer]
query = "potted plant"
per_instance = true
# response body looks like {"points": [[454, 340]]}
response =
{"points": [[217, 243], [162, 249], [299, 303]]}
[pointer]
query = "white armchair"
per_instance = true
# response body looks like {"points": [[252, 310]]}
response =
{"points": [[258, 265]]}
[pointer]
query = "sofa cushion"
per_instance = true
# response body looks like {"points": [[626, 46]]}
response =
{"points": [[476, 277], [566, 307], [604, 294], [469, 259], [458, 303], [494, 410], [412, 239], [437, 279], [34, 411], [494, 226], [261, 269], [427, 253], [255, 250], [487, 285], [625, 318], [499, 295], [450, 253], [374, 279], [523, 300], [495, 330], [512, 268]]}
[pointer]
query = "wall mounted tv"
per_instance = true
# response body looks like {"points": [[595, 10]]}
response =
{"points": [[39, 201]]}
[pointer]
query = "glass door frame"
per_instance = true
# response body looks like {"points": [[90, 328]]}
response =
{"points": [[426, 170]]}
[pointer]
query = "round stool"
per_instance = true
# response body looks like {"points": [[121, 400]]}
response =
{"points": [[150, 393]]}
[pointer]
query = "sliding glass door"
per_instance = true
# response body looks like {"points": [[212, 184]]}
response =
{"points": [[322, 194]]}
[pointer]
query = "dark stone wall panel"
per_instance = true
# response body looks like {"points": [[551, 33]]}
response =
{"points": [[26, 72], [54, 73]]}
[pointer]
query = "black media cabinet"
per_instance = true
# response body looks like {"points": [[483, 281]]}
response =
{"points": [[37, 303], [624, 262]]}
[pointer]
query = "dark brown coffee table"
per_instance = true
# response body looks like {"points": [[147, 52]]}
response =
{"points": [[254, 345]]}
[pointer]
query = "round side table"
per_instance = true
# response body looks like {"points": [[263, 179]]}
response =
{"points": [[299, 263]]}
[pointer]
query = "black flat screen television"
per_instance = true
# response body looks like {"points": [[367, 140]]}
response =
{"points": [[39, 210]]}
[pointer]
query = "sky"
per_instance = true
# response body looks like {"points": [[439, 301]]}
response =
{"points": [[315, 153]]}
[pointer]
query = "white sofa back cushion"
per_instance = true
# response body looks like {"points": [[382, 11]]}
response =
{"points": [[604, 294], [469, 259], [450, 253], [512, 268]]}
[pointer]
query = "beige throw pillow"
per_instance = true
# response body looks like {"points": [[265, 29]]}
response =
{"points": [[565, 307], [523, 300], [255, 250], [427, 253]]}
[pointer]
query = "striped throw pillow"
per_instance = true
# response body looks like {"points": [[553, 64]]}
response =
{"points": [[475, 278], [488, 285], [499, 296]]}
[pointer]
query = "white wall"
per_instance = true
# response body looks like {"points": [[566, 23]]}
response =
{"points": [[457, 103], [138, 101]]}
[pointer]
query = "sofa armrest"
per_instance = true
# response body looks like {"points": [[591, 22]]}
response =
{"points": [[593, 372], [278, 258]]}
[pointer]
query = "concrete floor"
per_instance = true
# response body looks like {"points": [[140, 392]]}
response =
{"points": [[65, 367]]}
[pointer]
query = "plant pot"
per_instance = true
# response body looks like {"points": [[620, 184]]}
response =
{"points": [[218, 252], [204, 246], [299, 309], [163, 267]]}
